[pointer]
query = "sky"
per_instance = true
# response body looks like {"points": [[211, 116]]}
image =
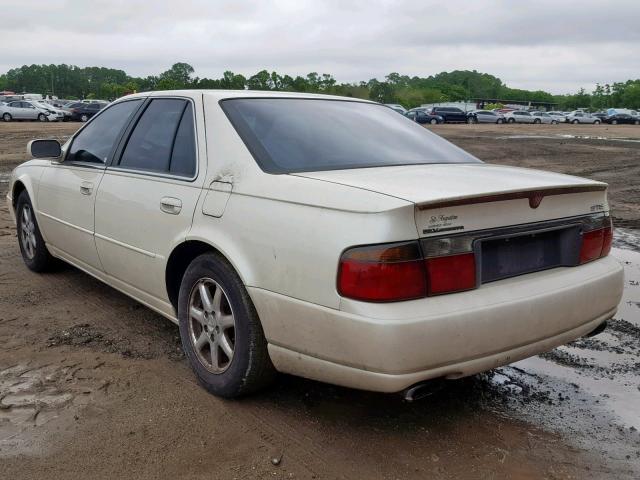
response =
{"points": [[558, 46]]}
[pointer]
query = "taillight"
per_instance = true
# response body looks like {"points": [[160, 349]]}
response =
{"points": [[453, 273], [382, 273], [596, 240], [399, 271]]}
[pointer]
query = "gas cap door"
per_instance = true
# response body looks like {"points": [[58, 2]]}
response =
{"points": [[216, 199]]}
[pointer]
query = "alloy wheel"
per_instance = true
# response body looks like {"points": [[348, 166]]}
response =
{"points": [[28, 232], [211, 325]]}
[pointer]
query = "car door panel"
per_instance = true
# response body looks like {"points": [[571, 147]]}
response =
{"points": [[66, 207], [142, 213]]}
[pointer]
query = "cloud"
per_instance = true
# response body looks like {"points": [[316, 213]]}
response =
{"points": [[550, 45]]}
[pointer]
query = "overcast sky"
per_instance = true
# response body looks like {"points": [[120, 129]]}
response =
{"points": [[558, 45]]}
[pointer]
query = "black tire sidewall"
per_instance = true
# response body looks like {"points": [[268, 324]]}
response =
{"points": [[7, 117], [231, 382]]}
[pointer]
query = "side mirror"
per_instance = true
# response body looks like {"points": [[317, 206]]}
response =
{"points": [[44, 149]]}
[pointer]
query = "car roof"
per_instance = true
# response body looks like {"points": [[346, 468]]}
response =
{"points": [[225, 94]]}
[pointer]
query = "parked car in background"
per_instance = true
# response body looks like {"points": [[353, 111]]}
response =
{"points": [[397, 107], [388, 256], [60, 114], [543, 117], [520, 116], [622, 118], [26, 110], [484, 116], [422, 116], [560, 117], [84, 111], [582, 117], [450, 114]]}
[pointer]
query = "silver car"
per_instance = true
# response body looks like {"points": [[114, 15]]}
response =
{"points": [[582, 117], [559, 116], [26, 110], [520, 116], [543, 117], [485, 116]]}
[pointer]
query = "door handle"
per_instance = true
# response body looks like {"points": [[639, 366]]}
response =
{"points": [[171, 205], [86, 188]]}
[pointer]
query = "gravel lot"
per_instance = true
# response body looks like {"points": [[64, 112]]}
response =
{"points": [[93, 385]]}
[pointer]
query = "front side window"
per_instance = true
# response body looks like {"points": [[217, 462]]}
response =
{"points": [[163, 140], [94, 142], [287, 135]]}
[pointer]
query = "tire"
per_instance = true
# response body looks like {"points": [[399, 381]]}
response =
{"points": [[554, 122], [499, 121], [512, 120], [7, 117], [636, 122], [42, 118], [433, 121], [597, 122], [614, 122], [84, 118], [32, 247], [248, 368], [575, 122], [537, 120]]}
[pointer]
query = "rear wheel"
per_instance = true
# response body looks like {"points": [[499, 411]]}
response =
{"points": [[537, 120], [6, 117], [554, 122], [433, 121], [575, 121], [500, 121], [34, 252], [614, 122], [512, 120], [220, 330], [84, 118], [636, 122], [597, 122]]}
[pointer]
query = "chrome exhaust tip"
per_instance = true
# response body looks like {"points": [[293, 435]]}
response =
{"points": [[421, 390]]}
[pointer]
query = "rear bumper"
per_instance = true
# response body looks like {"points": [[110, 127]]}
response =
{"points": [[388, 347]]}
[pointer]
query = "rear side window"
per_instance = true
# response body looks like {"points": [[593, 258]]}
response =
{"points": [[163, 140], [94, 143], [287, 135]]}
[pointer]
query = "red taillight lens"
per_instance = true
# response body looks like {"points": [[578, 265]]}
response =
{"points": [[453, 273], [591, 245], [606, 240], [597, 243], [382, 273], [395, 272]]}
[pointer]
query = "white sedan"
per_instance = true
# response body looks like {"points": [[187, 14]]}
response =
{"points": [[321, 236], [27, 110]]}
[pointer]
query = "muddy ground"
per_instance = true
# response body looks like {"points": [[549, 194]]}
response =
{"points": [[93, 385]]}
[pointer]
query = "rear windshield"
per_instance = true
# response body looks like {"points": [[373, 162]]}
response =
{"points": [[288, 135]]}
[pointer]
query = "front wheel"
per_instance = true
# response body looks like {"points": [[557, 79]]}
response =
{"points": [[42, 118], [220, 330], [433, 121], [597, 122], [636, 122], [34, 252], [554, 122], [575, 121], [499, 121], [614, 122], [537, 120], [512, 120], [84, 118]]}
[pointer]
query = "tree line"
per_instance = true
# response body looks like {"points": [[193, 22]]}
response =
{"points": [[69, 81]]}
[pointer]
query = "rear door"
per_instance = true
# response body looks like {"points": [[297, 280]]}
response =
{"points": [[145, 203], [67, 189]]}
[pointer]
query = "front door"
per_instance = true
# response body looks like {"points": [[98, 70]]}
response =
{"points": [[146, 200], [67, 191]]}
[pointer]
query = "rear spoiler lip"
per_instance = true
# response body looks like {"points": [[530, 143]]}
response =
{"points": [[514, 195]]}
